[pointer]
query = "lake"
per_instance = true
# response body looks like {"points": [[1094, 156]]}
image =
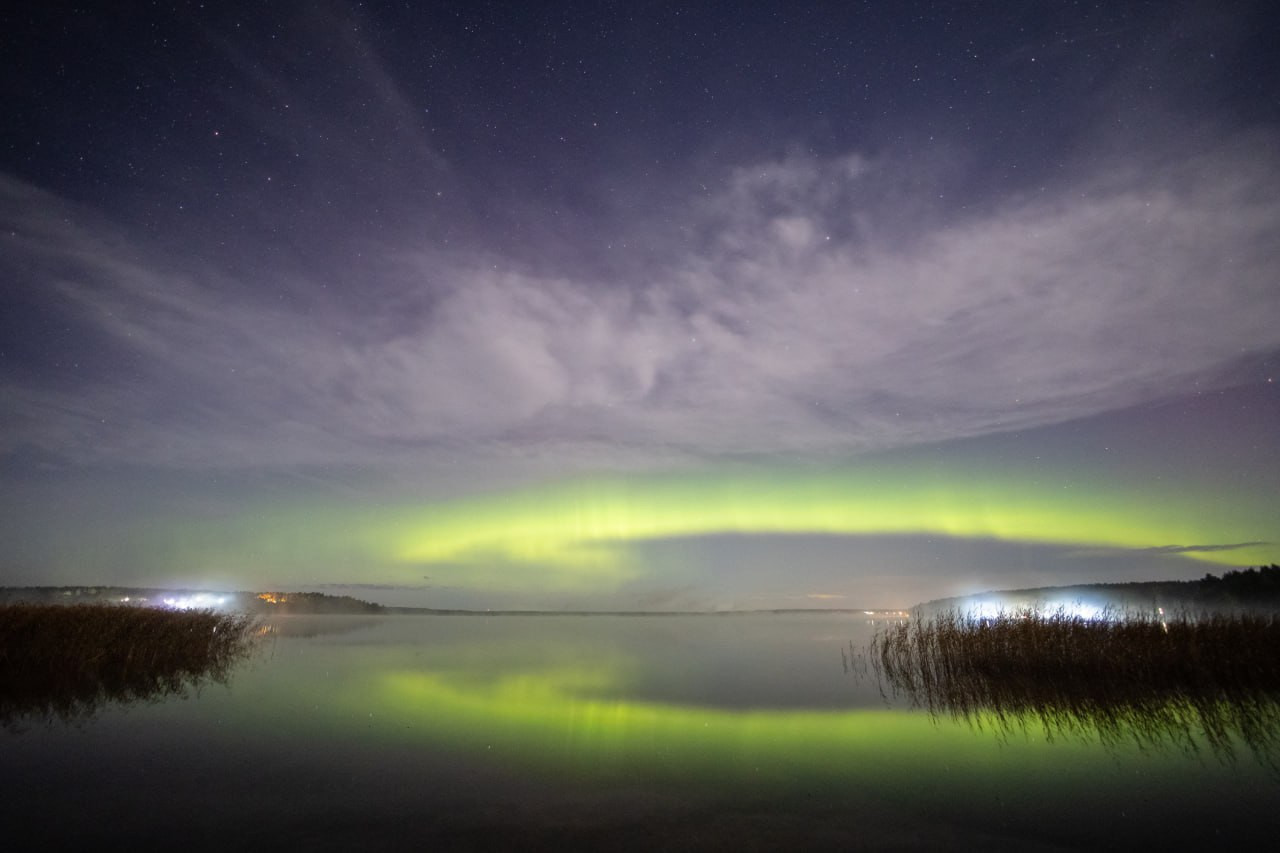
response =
{"points": [[760, 731]]}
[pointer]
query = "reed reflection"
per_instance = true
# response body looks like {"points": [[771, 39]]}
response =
{"points": [[68, 662], [1150, 681]]}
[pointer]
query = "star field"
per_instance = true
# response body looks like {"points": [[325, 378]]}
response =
{"points": [[385, 270]]}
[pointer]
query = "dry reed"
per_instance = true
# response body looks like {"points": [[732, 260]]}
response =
{"points": [[67, 661], [1148, 680]]}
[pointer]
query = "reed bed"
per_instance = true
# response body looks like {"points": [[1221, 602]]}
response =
{"points": [[67, 661], [1143, 679]]}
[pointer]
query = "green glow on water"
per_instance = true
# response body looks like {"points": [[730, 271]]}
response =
{"points": [[578, 704], [554, 715], [561, 721]]}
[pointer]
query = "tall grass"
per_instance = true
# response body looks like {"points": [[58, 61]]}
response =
{"points": [[1145, 679], [66, 662]]}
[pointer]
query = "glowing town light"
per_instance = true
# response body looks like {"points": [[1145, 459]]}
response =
{"points": [[198, 601], [984, 610], [1079, 610]]}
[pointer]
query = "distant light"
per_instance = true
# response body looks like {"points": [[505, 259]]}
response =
{"points": [[1076, 610], [989, 610], [199, 601]]}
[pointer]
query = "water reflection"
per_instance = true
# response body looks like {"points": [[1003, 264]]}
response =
{"points": [[68, 662], [599, 733], [313, 626], [1155, 683]]}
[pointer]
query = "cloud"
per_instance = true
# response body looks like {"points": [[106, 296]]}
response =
{"points": [[1187, 549], [799, 316], [674, 597], [1166, 549]]}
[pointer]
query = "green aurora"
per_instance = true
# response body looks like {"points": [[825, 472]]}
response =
{"points": [[585, 526], [582, 535]]}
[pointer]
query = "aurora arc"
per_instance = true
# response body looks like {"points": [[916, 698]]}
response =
{"points": [[582, 529]]}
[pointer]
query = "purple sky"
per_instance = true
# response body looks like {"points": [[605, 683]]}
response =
{"points": [[385, 258]]}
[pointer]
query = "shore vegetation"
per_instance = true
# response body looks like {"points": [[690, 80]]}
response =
{"points": [[1148, 679], [67, 661]]}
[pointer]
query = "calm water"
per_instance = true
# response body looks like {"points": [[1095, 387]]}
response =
{"points": [[735, 732]]}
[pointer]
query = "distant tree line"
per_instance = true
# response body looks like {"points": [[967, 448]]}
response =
{"points": [[1247, 588], [1244, 586]]}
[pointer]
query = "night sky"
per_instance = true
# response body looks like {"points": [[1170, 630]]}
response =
{"points": [[638, 305]]}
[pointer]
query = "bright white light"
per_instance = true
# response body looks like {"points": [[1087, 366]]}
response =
{"points": [[981, 611], [988, 610], [199, 601], [1076, 610]]}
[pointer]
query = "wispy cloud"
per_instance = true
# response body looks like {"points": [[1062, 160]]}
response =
{"points": [[1166, 549], [790, 321], [1189, 549]]}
